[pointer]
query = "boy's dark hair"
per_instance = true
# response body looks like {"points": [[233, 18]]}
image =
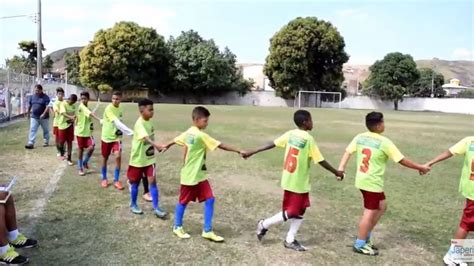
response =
{"points": [[372, 119], [117, 93], [200, 112], [300, 117], [39, 87], [59, 89], [86, 94], [73, 97], [145, 102]]}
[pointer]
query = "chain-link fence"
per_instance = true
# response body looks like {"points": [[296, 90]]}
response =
{"points": [[16, 88]]}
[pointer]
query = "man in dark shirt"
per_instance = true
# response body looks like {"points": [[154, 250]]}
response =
{"points": [[38, 112]]}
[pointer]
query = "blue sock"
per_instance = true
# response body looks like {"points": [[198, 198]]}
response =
{"points": [[86, 159], [104, 172], [154, 195], [369, 235], [208, 213], [178, 214], [359, 243], [116, 174], [133, 193], [79, 164]]}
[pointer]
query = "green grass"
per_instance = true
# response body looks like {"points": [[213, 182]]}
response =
{"points": [[85, 224]]}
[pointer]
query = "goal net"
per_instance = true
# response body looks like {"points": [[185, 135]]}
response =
{"points": [[318, 99]]}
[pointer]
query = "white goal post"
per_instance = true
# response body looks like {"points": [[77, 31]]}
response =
{"points": [[315, 98]]}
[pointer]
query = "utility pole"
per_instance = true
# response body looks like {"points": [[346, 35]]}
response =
{"points": [[39, 48]]}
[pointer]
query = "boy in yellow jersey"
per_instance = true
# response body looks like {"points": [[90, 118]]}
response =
{"points": [[300, 150], [67, 116], [83, 132], [194, 183], [466, 187], [55, 107], [142, 158], [373, 150]]}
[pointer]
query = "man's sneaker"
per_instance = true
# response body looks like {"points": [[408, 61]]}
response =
{"points": [[11, 257], [294, 246], [29, 146], [118, 185], [261, 231], [147, 197], [45, 145], [179, 231], [450, 261], [366, 250], [212, 236], [370, 243], [70, 163], [23, 242], [104, 183], [82, 173], [58, 154], [160, 213], [61, 158], [135, 209]]}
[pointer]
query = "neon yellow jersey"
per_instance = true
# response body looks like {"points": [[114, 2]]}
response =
{"points": [[373, 151], [301, 148], [110, 133], [466, 147], [69, 109], [142, 153], [56, 105], [196, 143], [83, 126]]}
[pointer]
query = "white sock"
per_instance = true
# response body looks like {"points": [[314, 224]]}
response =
{"points": [[12, 235], [294, 226], [4, 250], [275, 219]]}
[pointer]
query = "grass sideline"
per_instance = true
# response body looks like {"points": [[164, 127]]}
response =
{"points": [[85, 224]]}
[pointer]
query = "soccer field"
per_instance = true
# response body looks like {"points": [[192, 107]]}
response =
{"points": [[82, 223]]}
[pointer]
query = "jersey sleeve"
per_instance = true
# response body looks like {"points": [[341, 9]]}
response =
{"points": [[314, 152], [87, 112], [181, 139], [282, 140], [210, 142], [62, 108], [459, 148], [393, 152], [139, 131], [352, 147]]}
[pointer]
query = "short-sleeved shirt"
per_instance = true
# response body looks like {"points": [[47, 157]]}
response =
{"points": [[83, 126], [196, 143], [69, 109], [466, 147], [55, 107], [38, 103], [142, 153], [301, 149], [109, 130], [373, 151]]}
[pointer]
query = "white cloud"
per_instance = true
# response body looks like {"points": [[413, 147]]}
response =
{"points": [[352, 13], [463, 54], [70, 12]]}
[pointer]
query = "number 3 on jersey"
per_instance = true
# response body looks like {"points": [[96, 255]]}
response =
{"points": [[291, 160], [364, 167]]}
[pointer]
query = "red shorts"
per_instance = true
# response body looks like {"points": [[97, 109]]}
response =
{"points": [[85, 142], [200, 192], [372, 199], [467, 220], [55, 131], [108, 147], [134, 174], [66, 135], [295, 204]]}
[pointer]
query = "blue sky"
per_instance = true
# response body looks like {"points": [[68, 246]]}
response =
{"points": [[424, 29]]}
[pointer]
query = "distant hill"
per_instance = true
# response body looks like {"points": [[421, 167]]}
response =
{"points": [[59, 57]]}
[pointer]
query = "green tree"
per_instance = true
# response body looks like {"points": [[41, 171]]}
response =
{"points": [[391, 77], [47, 64], [306, 54], [199, 68], [469, 93], [126, 56], [422, 87], [73, 62], [19, 64]]}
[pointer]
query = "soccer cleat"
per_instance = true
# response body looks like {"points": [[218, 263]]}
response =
{"points": [[450, 261], [82, 173], [104, 183], [147, 197], [294, 246], [23, 242], [179, 231], [212, 236], [371, 244], [261, 231], [29, 146], [70, 163], [135, 209], [11, 257], [160, 213], [118, 185], [365, 250]]}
